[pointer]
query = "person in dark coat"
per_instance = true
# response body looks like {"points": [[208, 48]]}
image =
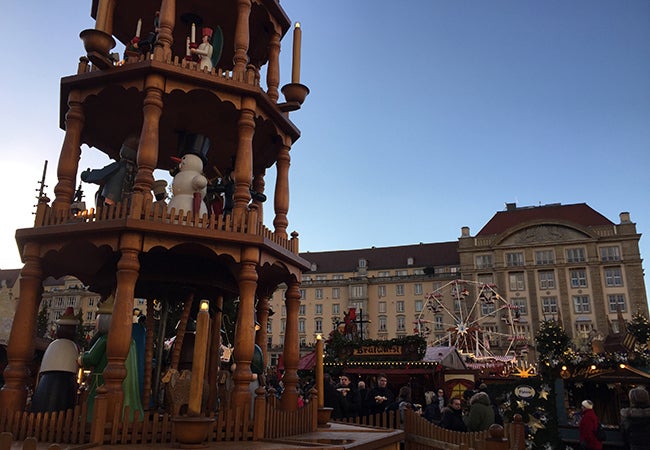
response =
{"points": [[452, 416], [481, 414], [348, 398], [635, 420], [330, 398], [588, 426], [379, 397]]}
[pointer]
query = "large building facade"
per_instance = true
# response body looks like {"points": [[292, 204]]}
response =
{"points": [[526, 264]]}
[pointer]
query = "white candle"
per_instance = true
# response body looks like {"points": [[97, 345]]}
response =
{"points": [[198, 360], [295, 69], [193, 33], [187, 46], [320, 376], [138, 28]]}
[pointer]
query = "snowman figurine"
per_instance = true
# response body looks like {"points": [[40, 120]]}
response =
{"points": [[189, 185]]}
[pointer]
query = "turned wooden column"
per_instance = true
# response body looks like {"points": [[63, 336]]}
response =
{"points": [[20, 350], [291, 352], [242, 39], [149, 136], [281, 197], [70, 154], [273, 69], [259, 186], [163, 46], [119, 334], [262, 313], [105, 11], [245, 328], [148, 356], [215, 354], [244, 161]]}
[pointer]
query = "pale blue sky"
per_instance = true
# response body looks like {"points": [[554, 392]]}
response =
{"points": [[424, 115]]}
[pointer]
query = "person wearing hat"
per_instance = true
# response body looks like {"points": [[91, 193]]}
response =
{"points": [[204, 50], [57, 381], [635, 420], [160, 193], [588, 426], [97, 359]]}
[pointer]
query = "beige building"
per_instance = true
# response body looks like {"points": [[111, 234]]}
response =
{"points": [[527, 263], [9, 295]]}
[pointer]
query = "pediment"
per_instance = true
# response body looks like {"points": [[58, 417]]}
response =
{"points": [[544, 234]]}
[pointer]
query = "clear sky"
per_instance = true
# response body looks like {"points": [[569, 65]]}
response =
{"points": [[424, 115]]}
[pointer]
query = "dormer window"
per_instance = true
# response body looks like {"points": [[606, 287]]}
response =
{"points": [[363, 263], [409, 261]]}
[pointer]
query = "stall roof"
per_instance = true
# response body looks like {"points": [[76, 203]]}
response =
{"points": [[446, 356]]}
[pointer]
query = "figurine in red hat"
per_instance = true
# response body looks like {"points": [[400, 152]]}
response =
{"points": [[57, 383], [205, 49]]}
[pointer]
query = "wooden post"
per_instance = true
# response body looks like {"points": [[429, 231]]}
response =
{"points": [[198, 360]]}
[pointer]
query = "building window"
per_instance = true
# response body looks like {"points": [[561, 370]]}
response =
{"points": [[318, 325], [613, 277], [382, 307], [514, 259], [337, 276], [283, 325], [575, 255], [89, 315], [484, 262], [517, 281], [584, 328], [616, 301], [417, 288], [301, 325], [401, 273], [362, 263], [399, 306], [401, 323], [381, 291], [269, 326], [438, 322], [384, 273], [521, 305], [382, 324], [399, 289], [303, 294], [409, 261], [319, 293], [549, 305], [91, 301], [581, 304], [321, 277], [543, 257], [284, 310], [301, 310], [485, 278], [610, 253], [546, 279], [418, 306], [578, 278], [319, 308], [336, 309], [306, 278], [487, 309], [336, 292]]}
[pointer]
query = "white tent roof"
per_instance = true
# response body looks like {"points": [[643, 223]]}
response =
{"points": [[447, 356]]}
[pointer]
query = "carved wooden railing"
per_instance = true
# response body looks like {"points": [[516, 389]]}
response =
{"points": [[211, 224]]}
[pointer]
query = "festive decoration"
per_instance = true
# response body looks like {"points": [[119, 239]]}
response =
{"points": [[552, 341], [639, 327], [339, 349]]}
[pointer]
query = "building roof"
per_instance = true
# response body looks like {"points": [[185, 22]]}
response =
{"points": [[378, 258], [579, 213], [8, 277]]}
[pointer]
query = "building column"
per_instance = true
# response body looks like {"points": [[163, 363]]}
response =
{"points": [[105, 11], [119, 335], [242, 39], [245, 328], [273, 69], [291, 352], [281, 197], [163, 46], [70, 154], [20, 350], [244, 160], [149, 137], [262, 313]]}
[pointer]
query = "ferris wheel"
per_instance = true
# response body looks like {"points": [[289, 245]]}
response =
{"points": [[471, 316]]}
